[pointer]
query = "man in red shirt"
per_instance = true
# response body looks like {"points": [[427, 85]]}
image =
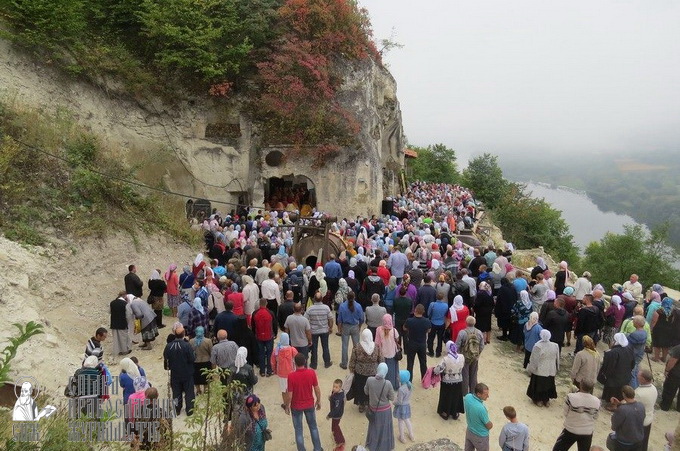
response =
{"points": [[265, 328], [299, 400]]}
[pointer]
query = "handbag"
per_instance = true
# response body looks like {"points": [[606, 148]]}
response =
{"points": [[398, 355], [370, 413], [138, 326], [266, 433]]}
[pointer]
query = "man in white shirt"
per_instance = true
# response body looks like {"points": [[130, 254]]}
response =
{"points": [[270, 292], [470, 281], [633, 287], [646, 394], [583, 286], [262, 273]]}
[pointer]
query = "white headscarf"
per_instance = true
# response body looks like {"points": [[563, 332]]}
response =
{"points": [[621, 340], [91, 362], [241, 358], [319, 273], [367, 342], [457, 305], [616, 300], [198, 259], [524, 297], [545, 335], [533, 320], [130, 368], [155, 275]]}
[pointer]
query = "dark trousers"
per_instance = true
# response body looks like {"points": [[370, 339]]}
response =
{"points": [[645, 441], [670, 389], [265, 348], [324, 349], [273, 306], [186, 387], [338, 437], [567, 439], [420, 351], [303, 350], [435, 331], [527, 356], [159, 317], [372, 329]]}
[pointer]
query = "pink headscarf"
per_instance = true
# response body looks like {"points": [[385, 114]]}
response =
{"points": [[168, 273]]}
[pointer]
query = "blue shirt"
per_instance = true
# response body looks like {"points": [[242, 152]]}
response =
{"points": [[532, 336], [437, 312], [390, 295], [345, 316], [476, 415], [520, 284], [333, 270], [183, 313], [398, 264]]}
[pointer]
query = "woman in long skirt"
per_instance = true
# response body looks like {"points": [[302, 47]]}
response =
{"points": [[380, 436], [363, 363], [451, 391], [543, 366], [387, 339]]}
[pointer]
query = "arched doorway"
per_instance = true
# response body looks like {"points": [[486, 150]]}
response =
{"points": [[290, 192]]}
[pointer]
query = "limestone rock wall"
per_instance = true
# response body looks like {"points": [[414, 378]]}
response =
{"points": [[205, 149]]}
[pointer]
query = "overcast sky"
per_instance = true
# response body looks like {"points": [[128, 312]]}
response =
{"points": [[543, 76]]}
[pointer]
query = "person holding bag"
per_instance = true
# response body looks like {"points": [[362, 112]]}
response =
{"points": [[380, 436], [253, 422]]}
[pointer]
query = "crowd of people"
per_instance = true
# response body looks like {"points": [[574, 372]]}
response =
{"points": [[404, 287]]}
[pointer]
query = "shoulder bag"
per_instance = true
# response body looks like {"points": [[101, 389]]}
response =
{"points": [[398, 355], [370, 413]]}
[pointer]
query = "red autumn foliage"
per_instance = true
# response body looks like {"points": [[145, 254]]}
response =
{"points": [[221, 89]]}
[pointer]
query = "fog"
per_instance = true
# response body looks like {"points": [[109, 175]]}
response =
{"points": [[535, 77]]}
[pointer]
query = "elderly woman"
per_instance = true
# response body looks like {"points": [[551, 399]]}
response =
{"points": [[379, 392], [136, 400], [390, 294], [586, 363], [253, 423], [128, 373], [242, 371], [363, 363], [664, 327], [202, 350], [450, 392], [532, 334], [521, 312], [387, 339], [616, 368], [142, 311], [456, 317], [654, 304], [157, 286], [613, 317], [505, 300], [172, 290], [543, 366], [483, 309]]}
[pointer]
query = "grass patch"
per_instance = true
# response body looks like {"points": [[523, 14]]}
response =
{"points": [[77, 193]]}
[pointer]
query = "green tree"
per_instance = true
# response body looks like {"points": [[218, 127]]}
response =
{"points": [[616, 256], [484, 176], [435, 163]]}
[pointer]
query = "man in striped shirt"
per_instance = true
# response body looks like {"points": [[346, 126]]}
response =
{"points": [[321, 323]]}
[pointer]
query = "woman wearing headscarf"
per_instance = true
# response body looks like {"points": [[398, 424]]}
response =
{"points": [[283, 363], [505, 300], [253, 423], [314, 284], [561, 278], [387, 340], [532, 334], [383, 272], [613, 317], [243, 372], [456, 317], [198, 265], [157, 287], [379, 392], [664, 326], [353, 281], [341, 294], [390, 294], [483, 309], [616, 368], [363, 363], [128, 373], [540, 267], [186, 284], [172, 283], [654, 304], [245, 337], [521, 313], [136, 400], [543, 366], [202, 349], [586, 363], [450, 391], [197, 317], [142, 311]]}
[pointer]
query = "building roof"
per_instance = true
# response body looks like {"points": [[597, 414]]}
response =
{"points": [[410, 153]]}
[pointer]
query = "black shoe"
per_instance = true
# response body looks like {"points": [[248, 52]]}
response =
{"points": [[161, 326], [312, 367], [344, 367], [328, 365], [430, 354], [262, 374], [439, 354]]}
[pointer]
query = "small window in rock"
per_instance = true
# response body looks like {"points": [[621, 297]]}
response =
{"points": [[274, 158]]}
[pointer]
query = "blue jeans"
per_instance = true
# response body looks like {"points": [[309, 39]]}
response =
{"points": [[324, 349], [348, 331], [310, 415], [265, 348]]}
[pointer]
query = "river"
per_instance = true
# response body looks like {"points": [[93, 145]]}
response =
{"points": [[587, 223]]}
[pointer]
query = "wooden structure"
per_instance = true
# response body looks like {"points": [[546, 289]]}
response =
{"points": [[313, 241]]}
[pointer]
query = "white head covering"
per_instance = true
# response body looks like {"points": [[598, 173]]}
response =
{"points": [[319, 273], [367, 342], [524, 297], [241, 358], [616, 300], [457, 305], [621, 340], [91, 362], [155, 275], [198, 259], [130, 368], [533, 320], [545, 335], [628, 295]]}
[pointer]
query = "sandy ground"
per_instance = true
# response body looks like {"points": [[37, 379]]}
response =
{"points": [[68, 288]]}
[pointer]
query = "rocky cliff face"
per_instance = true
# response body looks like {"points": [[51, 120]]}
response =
{"points": [[205, 149]]}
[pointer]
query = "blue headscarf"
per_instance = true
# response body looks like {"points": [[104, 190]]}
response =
{"points": [[284, 342], [404, 377], [382, 371], [200, 335], [667, 305], [198, 305]]}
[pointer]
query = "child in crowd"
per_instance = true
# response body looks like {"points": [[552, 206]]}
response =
{"points": [[514, 435], [402, 405], [283, 363], [337, 402]]}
